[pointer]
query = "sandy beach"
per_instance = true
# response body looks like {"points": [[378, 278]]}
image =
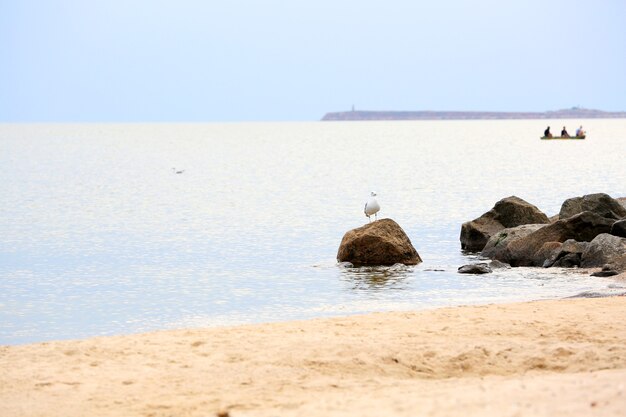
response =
{"points": [[558, 357]]}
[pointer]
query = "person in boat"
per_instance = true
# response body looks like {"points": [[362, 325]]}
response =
{"points": [[580, 132], [564, 133], [546, 133]]}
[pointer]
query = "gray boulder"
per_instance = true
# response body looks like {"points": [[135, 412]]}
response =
{"points": [[619, 228], [582, 227], [496, 245], [508, 212], [604, 249], [382, 242], [600, 204]]}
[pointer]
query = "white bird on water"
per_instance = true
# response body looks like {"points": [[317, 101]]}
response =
{"points": [[371, 207]]}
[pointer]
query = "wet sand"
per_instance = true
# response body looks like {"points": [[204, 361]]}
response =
{"points": [[543, 358]]}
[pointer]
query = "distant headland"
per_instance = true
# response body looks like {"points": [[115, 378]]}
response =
{"points": [[572, 113]]}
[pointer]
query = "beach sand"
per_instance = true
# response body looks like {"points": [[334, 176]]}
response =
{"points": [[542, 358]]}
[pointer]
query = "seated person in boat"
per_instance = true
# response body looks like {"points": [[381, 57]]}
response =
{"points": [[580, 132], [546, 133], [564, 133]]}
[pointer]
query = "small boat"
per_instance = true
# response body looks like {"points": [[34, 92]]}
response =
{"points": [[563, 138]]}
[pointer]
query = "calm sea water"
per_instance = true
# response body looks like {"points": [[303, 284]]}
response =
{"points": [[99, 235]]}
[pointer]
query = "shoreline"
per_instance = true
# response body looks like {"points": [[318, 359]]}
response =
{"points": [[495, 359], [609, 291], [400, 115]]}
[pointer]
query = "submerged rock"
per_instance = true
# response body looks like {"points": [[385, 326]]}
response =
{"points": [[595, 294], [398, 267], [495, 264], [608, 270], [382, 242], [508, 212], [480, 268], [608, 273]]}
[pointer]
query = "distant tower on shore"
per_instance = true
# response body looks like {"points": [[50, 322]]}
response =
{"points": [[353, 107]]}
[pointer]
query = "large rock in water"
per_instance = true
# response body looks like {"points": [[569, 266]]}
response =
{"points": [[604, 249], [382, 242], [508, 212], [582, 227], [600, 204]]}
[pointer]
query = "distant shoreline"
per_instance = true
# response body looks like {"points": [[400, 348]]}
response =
{"points": [[573, 113]]}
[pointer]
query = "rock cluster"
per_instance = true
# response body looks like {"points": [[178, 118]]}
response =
{"points": [[382, 242], [588, 232]]}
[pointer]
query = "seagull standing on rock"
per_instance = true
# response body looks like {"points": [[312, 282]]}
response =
{"points": [[371, 207]]}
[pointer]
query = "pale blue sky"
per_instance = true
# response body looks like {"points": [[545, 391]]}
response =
{"points": [[239, 60]]}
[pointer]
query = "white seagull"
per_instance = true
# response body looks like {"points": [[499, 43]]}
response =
{"points": [[371, 207]]}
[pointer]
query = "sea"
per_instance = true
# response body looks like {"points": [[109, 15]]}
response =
{"points": [[109, 229]]}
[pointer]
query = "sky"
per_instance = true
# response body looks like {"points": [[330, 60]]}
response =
{"points": [[274, 60]]}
